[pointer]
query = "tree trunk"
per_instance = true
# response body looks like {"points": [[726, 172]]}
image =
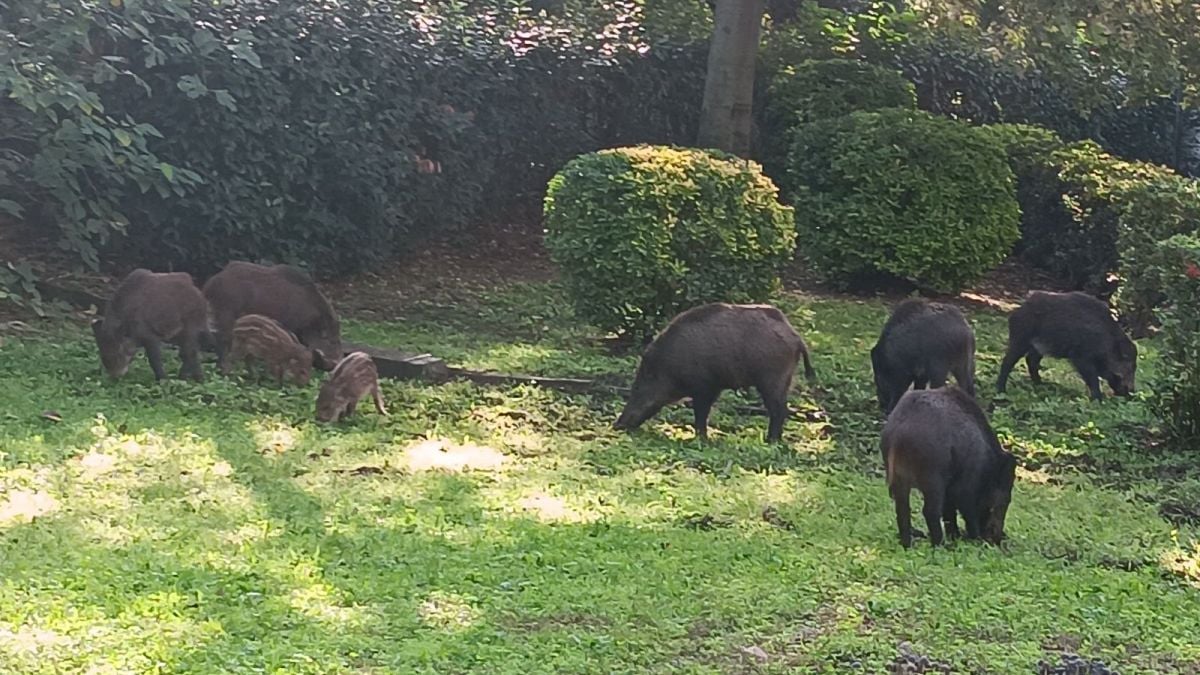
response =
{"points": [[725, 117]]}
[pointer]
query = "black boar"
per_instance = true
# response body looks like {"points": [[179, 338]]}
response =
{"points": [[350, 380], [281, 292], [257, 336], [940, 442], [921, 344], [1073, 326], [715, 347], [148, 309]]}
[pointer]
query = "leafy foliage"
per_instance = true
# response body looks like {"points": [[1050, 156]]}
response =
{"points": [[818, 90], [1082, 247], [67, 159], [323, 134], [902, 194], [642, 233], [1150, 212], [1175, 265]]}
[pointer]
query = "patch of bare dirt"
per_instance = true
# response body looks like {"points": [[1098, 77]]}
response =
{"points": [[458, 266], [446, 271]]}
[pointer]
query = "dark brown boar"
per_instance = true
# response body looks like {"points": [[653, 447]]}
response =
{"points": [[939, 441], [1072, 326], [259, 337], [921, 344], [148, 309], [715, 347], [352, 378], [281, 292]]}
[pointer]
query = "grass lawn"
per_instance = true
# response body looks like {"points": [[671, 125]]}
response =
{"points": [[217, 528]]}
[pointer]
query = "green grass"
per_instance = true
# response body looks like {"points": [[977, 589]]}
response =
{"points": [[218, 528]]}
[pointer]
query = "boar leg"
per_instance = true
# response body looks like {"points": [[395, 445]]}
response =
{"points": [[932, 510], [938, 377], [1011, 357], [964, 375], [1091, 377], [950, 518], [701, 405], [378, 397], [189, 352], [903, 513], [775, 399], [229, 357], [1033, 361], [154, 356]]}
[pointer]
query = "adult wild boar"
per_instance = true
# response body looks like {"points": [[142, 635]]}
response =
{"points": [[1072, 326], [940, 442], [148, 309], [708, 349], [281, 292], [921, 344]]}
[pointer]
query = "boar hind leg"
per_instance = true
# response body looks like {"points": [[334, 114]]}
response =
{"points": [[1033, 361], [950, 518], [189, 352], [1014, 354], [154, 356], [701, 405], [378, 397], [775, 399], [932, 510], [903, 513]]}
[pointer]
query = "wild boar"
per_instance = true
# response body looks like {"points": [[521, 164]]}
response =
{"points": [[1073, 326], [281, 292], [708, 349], [921, 344], [939, 441], [258, 337], [148, 309], [350, 380]]}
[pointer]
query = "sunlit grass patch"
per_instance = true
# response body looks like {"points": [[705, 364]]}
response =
{"points": [[218, 528]]}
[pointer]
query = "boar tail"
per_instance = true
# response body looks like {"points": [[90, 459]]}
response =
{"points": [[889, 464], [809, 373]]}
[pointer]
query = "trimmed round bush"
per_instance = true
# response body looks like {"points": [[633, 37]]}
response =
{"points": [[644, 232], [820, 90], [902, 194]]}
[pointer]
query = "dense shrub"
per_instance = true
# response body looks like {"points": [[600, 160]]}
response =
{"points": [[1082, 248], [67, 160], [1149, 212], [1176, 263], [818, 90], [903, 194], [644, 232], [1029, 150], [323, 133]]}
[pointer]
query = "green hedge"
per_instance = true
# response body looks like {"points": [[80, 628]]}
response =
{"points": [[644, 232], [904, 194], [331, 135], [1176, 266], [1149, 212], [825, 89]]}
